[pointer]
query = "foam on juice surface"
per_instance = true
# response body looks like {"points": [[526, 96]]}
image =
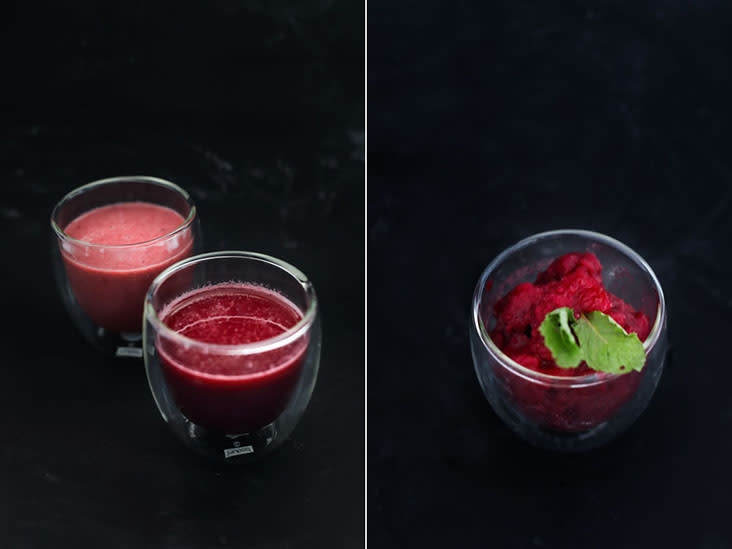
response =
{"points": [[232, 314]]}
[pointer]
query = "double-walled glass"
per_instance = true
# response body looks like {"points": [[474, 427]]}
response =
{"points": [[567, 413], [103, 286], [231, 402]]}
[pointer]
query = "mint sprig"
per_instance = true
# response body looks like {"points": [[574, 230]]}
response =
{"points": [[558, 337], [593, 337]]}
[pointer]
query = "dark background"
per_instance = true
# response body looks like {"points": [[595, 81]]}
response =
{"points": [[257, 109], [491, 122]]}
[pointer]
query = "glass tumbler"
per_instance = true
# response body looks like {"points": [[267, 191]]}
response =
{"points": [[232, 347], [103, 286], [557, 412]]}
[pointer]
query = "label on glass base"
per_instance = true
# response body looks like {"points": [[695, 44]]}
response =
{"points": [[241, 450], [132, 352]]}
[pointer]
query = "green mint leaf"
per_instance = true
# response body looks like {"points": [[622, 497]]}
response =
{"points": [[559, 339], [600, 341], [606, 347]]}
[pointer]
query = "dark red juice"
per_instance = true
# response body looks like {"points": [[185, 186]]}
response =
{"points": [[219, 387]]}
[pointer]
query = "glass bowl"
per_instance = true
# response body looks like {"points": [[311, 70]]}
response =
{"points": [[230, 401], [103, 286], [556, 412]]}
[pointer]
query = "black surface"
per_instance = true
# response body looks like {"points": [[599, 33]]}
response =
{"points": [[257, 110], [488, 124]]}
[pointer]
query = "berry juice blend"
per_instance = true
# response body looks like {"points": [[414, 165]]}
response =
{"points": [[216, 387]]}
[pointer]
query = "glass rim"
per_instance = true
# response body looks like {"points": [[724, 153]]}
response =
{"points": [[78, 191], [592, 378], [287, 337]]}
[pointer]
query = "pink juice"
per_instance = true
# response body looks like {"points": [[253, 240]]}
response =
{"points": [[112, 267], [224, 391]]}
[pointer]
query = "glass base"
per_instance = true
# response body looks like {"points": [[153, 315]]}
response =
{"points": [[130, 347], [121, 345], [229, 448], [553, 440]]}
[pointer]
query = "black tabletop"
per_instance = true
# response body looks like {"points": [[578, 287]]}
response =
{"points": [[489, 123], [257, 110]]}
